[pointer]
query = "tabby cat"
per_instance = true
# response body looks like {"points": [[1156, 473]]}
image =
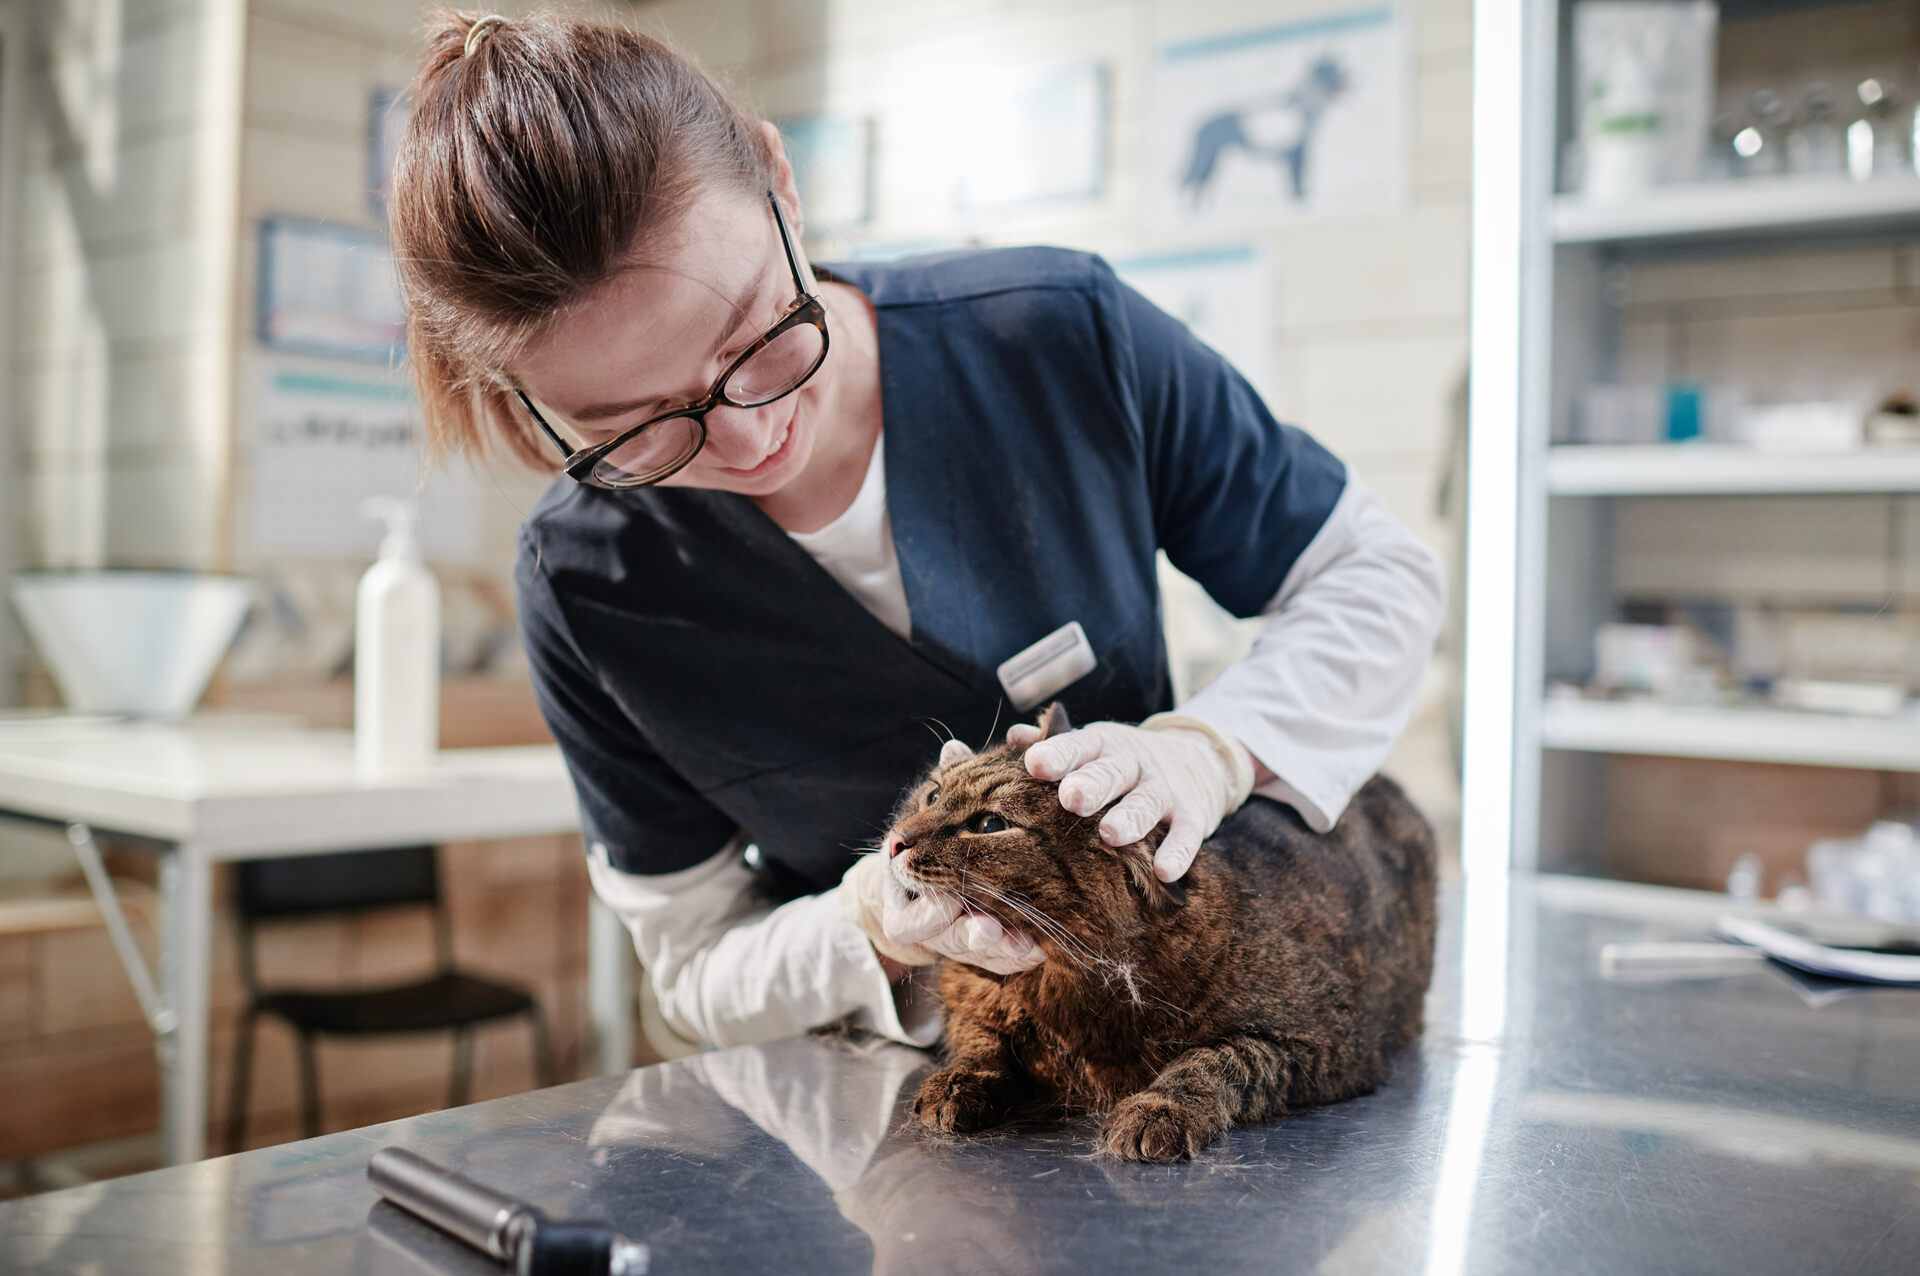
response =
{"points": [[1279, 973]]}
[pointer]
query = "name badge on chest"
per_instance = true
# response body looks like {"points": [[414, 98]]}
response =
{"points": [[1051, 665]]}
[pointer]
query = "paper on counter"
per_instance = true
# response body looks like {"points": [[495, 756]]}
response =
{"points": [[1820, 959]]}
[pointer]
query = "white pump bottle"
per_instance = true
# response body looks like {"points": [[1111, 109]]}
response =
{"points": [[396, 650]]}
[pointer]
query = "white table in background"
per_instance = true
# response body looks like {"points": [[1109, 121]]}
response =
{"points": [[212, 790]]}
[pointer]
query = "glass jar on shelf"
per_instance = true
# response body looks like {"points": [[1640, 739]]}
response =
{"points": [[1723, 151], [1760, 146], [1816, 142], [1881, 142]]}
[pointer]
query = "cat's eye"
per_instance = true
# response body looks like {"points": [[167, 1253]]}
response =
{"points": [[987, 822], [933, 795]]}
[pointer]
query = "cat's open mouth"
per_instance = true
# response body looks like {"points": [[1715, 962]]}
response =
{"points": [[915, 888], [967, 909]]}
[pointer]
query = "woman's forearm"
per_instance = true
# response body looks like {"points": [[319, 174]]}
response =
{"points": [[1330, 683], [729, 970]]}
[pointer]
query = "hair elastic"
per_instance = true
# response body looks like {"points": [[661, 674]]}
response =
{"points": [[480, 31]]}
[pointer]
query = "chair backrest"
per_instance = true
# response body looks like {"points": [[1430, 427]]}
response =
{"points": [[337, 882]]}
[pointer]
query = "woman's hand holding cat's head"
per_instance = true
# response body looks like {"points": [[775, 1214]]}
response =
{"points": [[921, 929], [1172, 769], [939, 923]]}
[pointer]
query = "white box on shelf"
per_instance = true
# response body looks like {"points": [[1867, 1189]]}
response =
{"points": [[1644, 92]]}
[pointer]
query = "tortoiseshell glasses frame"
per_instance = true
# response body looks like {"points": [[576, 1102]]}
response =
{"points": [[787, 354]]}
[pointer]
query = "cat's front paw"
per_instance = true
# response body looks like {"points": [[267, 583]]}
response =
{"points": [[1152, 1127], [960, 1101]]}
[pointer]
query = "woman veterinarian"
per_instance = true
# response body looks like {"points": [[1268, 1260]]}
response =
{"points": [[807, 512]]}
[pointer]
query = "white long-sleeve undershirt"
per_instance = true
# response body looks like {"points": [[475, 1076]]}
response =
{"points": [[1320, 700]]}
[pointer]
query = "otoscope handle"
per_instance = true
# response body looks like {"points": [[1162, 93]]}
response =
{"points": [[480, 1216], [499, 1226]]}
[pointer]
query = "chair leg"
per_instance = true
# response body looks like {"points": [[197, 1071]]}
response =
{"points": [[543, 1069], [240, 1084], [460, 1082], [309, 1088]]}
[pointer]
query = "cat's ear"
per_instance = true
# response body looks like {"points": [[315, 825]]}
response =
{"points": [[1054, 721], [1139, 861]]}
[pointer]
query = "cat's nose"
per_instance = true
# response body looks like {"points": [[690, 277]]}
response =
{"points": [[897, 844]]}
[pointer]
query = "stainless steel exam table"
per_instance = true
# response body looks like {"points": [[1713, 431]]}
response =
{"points": [[1553, 1119]]}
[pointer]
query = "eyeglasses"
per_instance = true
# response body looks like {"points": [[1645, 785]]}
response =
{"points": [[771, 368]]}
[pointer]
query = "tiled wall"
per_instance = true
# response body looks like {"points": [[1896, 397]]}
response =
{"points": [[1370, 312], [122, 283], [311, 74]]}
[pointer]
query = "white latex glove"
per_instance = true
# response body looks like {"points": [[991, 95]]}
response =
{"points": [[920, 931], [1172, 769], [864, 895], [971, 938]]}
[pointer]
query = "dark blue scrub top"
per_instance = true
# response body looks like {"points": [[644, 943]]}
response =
{"points": [[1047, 429]]}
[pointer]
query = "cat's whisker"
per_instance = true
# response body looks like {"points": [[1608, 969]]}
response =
{"points": [[1043, 925], [1051, 928], [1047, 926], [1119, 973], [1114, 974]]}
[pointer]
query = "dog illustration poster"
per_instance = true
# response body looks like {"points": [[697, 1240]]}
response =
{"points": [[1305, 118]]}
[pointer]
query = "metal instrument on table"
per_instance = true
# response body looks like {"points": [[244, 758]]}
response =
{"points": [[499, 1226]]}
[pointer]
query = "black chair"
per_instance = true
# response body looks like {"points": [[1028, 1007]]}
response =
{"points": [[449, 1000]]}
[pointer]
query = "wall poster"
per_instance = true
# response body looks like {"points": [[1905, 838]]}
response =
{"points": [[1033, 135], [330, 290], [328, 438], [1225, 295], [1306, 118], [832, 157]]}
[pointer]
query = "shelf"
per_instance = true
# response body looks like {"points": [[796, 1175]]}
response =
{"points": [[1719, 469], [1738, 208], [1735, 735]]}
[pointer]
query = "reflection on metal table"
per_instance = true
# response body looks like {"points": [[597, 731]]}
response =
{"points": [[245, 788], [1550, 1120]]}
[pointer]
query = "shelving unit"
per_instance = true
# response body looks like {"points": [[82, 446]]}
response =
{"points": [[1748, 207], [1706, 469], [1754, 734], [1550, 275]]}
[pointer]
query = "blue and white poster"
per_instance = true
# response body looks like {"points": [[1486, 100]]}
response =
{"points": [[1306, 118], [328, 437], [331, 290]]}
